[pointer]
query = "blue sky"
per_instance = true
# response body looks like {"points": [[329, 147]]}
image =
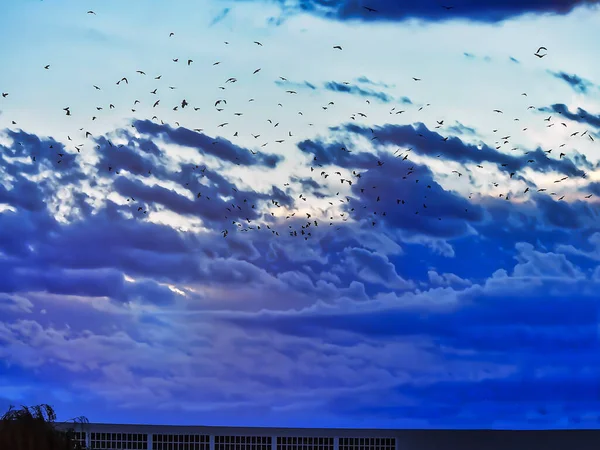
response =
{"points": [[453, 284]]}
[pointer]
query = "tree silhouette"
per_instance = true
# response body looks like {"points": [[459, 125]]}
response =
{"points": [[33, 428]]}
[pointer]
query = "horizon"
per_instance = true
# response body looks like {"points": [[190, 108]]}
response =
{"points": [[288, 213]]}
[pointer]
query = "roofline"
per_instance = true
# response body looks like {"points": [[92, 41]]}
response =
{"points": [[256, 430]]}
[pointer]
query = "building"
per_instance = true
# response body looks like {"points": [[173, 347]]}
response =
{"points": [[100, 436]]}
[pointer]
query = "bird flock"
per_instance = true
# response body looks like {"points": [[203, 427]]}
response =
{"points": [[243, 216]]}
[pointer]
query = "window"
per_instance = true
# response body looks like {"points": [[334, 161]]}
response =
{"points": [[304, 443], [242, 443], [370, 443], [121, 441], [180, 442], [78, 436]]}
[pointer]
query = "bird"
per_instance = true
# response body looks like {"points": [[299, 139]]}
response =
{"points": [[540, 55]]}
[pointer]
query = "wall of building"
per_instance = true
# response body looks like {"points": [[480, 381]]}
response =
{"points": [[157, 437], [164, 437]]}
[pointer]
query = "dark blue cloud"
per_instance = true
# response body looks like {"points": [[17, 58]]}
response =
{"points": [[219, 17], [398, 194], [494, 314], [527, 325], [43, 154], [405, 196], [217, 147], [594, 188], [430, 143], [459, 128], [295, 85], [473, 56], [577, 83], [581, 115], [365, 80], [356, 90], [494, 11]]}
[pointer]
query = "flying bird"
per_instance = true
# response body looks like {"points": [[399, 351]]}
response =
{"points": [[541, 55]]}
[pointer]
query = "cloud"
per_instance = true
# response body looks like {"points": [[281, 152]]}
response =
{"points": [[581, 115], [593, 253], [365, 80], [119, 308], [295, 85], [459, 128], [220, 17], [373, 267], [356, 90], [473, 56], [577, 83], [429, 143], [492, 12], [217, 147], [468, 318]]}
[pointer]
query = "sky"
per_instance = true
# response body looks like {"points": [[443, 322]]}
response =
{"points": [[211, 215]]}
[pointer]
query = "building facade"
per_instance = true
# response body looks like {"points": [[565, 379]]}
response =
{"points": [[103, 436], [167, 437]]}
